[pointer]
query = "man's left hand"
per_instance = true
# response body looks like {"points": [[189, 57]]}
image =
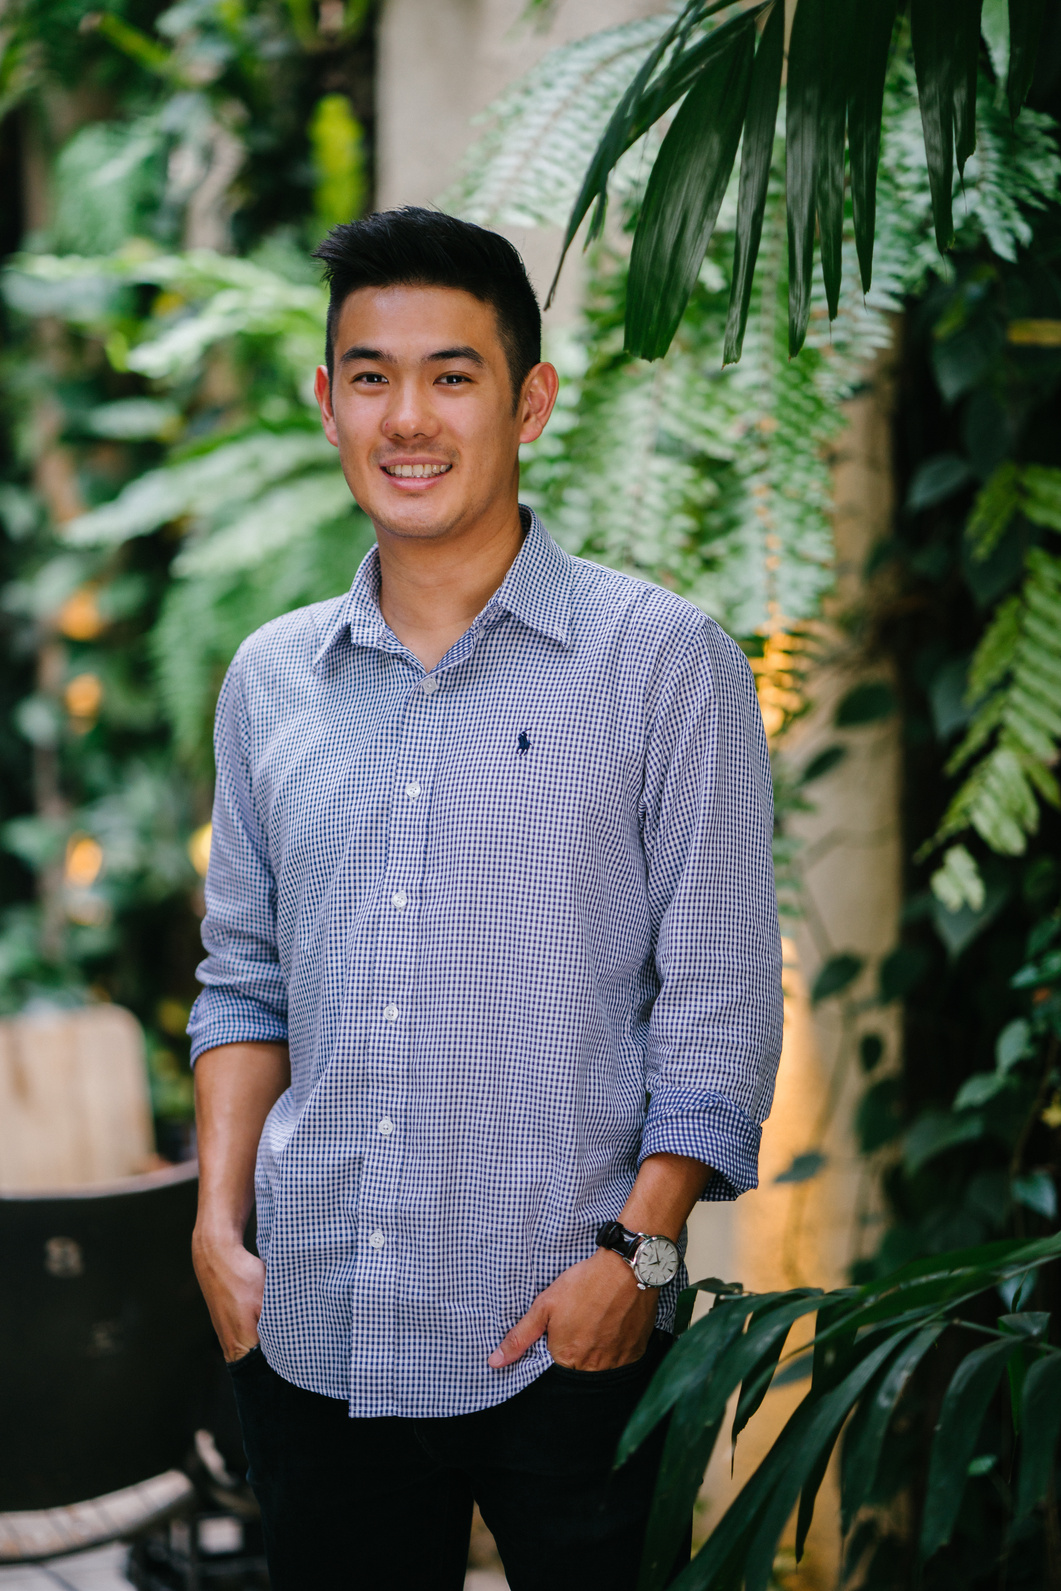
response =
{"points": [[595, 1315]]}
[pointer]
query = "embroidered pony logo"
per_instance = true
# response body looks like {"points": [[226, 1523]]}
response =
{"points": [[523, 744]]}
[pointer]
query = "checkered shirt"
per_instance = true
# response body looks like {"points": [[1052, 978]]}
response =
{"points": [[516, 919]]}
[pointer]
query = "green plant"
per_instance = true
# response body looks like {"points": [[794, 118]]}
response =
{"points": [[868, 1346], [728, 81]]}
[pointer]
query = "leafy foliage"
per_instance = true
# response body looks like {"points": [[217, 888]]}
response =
{"points": [[834, 84], [869, 1344]]}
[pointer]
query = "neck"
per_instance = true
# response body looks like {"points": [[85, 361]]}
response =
{"points": [[432, 588]]}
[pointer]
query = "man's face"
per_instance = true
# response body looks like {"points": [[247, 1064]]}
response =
{"points": [[420, 408]]}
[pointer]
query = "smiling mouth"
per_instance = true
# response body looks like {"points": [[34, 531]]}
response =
{"points": [[416, 472]]}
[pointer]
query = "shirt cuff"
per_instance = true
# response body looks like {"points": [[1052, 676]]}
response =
{"points": [[714, 1131], [220, 1017]]}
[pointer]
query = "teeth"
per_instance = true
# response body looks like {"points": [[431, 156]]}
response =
{"points": [[415, 471]]}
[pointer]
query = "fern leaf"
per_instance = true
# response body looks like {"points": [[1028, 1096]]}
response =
{"points": [[1016, 674], [995, 505]]}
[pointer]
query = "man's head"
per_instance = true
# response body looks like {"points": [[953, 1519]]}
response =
{"points": [[423, 248], [434, 376]]}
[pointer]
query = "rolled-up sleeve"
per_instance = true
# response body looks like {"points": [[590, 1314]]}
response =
{"points": [[715, 1032], [244, 989]]}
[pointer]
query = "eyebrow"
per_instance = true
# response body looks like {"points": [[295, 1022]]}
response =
{"points": [[381, 357]]}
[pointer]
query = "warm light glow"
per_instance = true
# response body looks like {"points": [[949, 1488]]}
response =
{"points": [[79, 617], [84, 695], [84, 861], [777, 682], [199, 848]]}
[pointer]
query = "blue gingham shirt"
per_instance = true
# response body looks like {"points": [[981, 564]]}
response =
{"points": [[516, 919]]}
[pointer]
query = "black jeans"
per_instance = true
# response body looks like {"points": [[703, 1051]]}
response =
{"points": [[383, 1504]]}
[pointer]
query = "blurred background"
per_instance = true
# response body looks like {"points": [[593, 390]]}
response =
{"points": [[875, 521]]}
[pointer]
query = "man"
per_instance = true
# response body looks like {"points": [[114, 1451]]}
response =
{"points": [[492, 993]]}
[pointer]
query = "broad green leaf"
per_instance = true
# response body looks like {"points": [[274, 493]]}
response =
{"points": [[964, 1405], [966, 68], [837, 974], [803, 110], [684, 193], [937, 1131], [757, 1381], [687, 1299], [708, 1350], [756, 152], [691, 1435], [995, 505], [833, 1358], [643, 103], [865, 103], [1025, 27], [809, 1459], [692, 1360], [932, 31], [1041, 1428], [866, 1433], [835, 64]]}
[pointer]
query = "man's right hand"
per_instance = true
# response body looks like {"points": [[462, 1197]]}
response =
{"points": [[233, 1281]]}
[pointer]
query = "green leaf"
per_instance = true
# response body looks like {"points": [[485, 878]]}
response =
{"points": [[803, 1167], [834, 66], [1025, 28], [1041, 1429], [865, 104], [685, 190], [1037, 1191], [995, 505], [808, 47], [966, 70], [932, 31], [704, 1352], [937, 1131], [865, 1437], [936, 480], [961, 1416], [695, 1422], [821, 764], [837, 973], [833, 1358], [865, 704], [687, 1299], [756, 151], [870, 1051], [756, 1383], [809, 1458], [643, 103]]}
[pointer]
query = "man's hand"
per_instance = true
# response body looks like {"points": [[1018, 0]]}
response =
{"points": [[595, 1315], [233, 1282], [236, 1086]]}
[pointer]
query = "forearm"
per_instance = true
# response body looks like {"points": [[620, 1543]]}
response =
{"points": [[665, 1192], [236, 1086]]}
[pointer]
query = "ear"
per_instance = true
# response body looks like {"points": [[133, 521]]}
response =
{"points": [[537, 400], [322, 391]]}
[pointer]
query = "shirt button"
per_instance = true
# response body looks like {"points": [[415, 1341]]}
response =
{"points": [[429, 685], [386, 1126], [377, 1240], [412, 790], [391, 1013], [400, 899]]}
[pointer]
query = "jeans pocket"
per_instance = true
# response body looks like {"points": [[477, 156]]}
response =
{"points": [[237, 1366]]}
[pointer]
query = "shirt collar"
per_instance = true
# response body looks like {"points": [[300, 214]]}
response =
{"points": [[536, 591]]}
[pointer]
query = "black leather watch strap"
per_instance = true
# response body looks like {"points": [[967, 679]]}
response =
{"points": [[613, 1235]]}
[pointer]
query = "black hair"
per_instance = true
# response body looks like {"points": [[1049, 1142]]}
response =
{"points": [[412, 247]]}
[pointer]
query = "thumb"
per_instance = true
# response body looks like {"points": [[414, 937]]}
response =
{"points": [[524, 1332]]}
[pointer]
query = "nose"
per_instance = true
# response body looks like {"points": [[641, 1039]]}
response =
{"points": [[409, 415]]}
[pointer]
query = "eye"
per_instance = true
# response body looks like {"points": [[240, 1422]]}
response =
{"points": [[370, 378], [453, 378]]}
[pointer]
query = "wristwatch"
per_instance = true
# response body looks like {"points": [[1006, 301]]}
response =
{"points": [[654, 1260]]}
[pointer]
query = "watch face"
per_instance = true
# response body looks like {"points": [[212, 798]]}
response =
{"points": [[657, 1262]]}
